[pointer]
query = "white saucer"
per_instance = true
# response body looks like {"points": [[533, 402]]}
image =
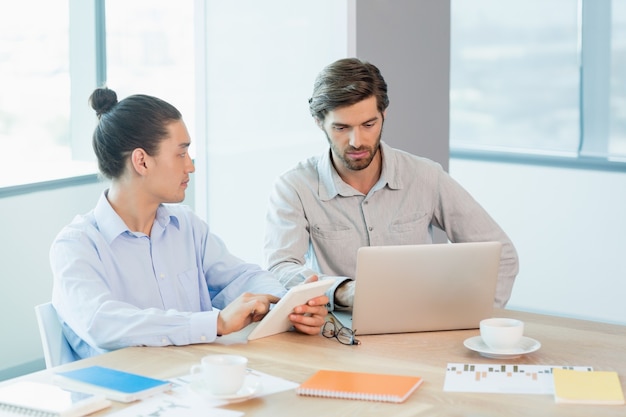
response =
{"points": [[526, 345], [251, 386]]}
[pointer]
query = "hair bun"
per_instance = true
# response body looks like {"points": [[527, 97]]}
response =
{"points": [[102, 100]]}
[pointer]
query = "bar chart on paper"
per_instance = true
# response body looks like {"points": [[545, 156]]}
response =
{"points": [[501, 378]]}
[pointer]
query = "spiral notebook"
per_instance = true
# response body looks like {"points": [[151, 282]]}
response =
{"points": [[29, 398], [360, 386]]}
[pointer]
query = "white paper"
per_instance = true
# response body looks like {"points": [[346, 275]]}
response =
{"points": [[182, 400], [503, 378], [175, 403], [268, 384]]}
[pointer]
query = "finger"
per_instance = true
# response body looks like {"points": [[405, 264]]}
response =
{"points": [[259, 305], [320, 311], [321, 300], [272, 299], [312, 278], [307, 329], [314, 306], [308, 319], [307, 324]]}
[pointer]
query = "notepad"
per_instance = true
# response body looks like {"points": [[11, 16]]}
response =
{"points": [[114, 384], [360, 386], [595, 387], [31, 398]]}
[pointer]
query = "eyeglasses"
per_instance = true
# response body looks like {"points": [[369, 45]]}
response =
{"points": [[341, 333]]}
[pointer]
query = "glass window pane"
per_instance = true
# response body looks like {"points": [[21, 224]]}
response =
{"points": [[35, 98], [514, 75], [150, 50], [618, 80], [259, 124]]}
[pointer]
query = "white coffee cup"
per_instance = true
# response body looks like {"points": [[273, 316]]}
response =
{"points": [[221, 374], [501, 333]]}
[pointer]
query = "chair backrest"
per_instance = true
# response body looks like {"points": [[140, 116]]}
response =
{"points": [[56, 349]]}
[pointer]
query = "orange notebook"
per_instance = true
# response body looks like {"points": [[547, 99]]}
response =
{"points": [[360, 386]]}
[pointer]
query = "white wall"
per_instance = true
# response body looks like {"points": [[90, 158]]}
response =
{"points": [[568, 226], [29, 224]]}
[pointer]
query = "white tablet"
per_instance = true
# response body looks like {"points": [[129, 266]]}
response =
{"points": [[277, 320]]}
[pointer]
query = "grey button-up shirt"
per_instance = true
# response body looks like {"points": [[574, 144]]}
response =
{"points": [[316, 222]]}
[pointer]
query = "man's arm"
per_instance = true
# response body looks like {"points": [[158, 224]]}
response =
{"points": [[465, 220], [287, 240]]}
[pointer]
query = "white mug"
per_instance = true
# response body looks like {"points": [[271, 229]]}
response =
{"points": [[221, 374], [501, 333]]}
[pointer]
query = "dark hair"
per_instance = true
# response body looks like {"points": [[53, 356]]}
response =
{"points": [[346, 82], [138, 121]]}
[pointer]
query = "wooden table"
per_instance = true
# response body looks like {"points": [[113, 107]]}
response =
{"points": [[295, 357]]}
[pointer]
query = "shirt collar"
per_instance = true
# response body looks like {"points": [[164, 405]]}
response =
{"points": [[331, 184], [111, 224]]}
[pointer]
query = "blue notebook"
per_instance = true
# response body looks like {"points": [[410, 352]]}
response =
{"points": [[112, 383]]}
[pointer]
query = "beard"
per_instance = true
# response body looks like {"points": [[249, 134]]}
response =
{"points": [[351, 163]]}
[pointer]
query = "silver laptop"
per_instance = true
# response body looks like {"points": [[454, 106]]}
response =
{"points": [[416, 288]]}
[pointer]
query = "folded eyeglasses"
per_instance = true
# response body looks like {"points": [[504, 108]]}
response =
{"points": [[343, 334]]}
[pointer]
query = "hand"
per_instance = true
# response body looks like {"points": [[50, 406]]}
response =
{"points": [[344, 294], [310, 317], [245, 309]]}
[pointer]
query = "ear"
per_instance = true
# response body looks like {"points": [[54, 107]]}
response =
{"points": [[138, 159]]}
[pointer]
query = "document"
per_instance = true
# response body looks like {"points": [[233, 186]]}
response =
{"points": [[503, 378]]}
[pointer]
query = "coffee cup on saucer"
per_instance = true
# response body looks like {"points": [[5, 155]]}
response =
{"points": [[221, 374], [501, 334]]}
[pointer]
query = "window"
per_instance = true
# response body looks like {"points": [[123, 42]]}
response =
{"points": [[35, 101], [539, 78], [49, 67], [618, 79], [258, 122], [150, 50], [514, 75]]}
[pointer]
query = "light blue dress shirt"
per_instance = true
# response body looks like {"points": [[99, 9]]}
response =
{"points": [[115, 288]]}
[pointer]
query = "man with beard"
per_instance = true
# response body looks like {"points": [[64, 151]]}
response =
{"points": [[362, 192]]}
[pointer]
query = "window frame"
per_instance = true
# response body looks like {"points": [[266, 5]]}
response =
{"points": [[594, 29], [87, 66]]}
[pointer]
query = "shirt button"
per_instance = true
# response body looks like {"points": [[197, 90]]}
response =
{"points": [[203, 338], [164, 340], [162, 276], [370, 228]]}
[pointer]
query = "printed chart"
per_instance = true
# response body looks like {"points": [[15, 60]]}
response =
{"points": [[504, 379]]}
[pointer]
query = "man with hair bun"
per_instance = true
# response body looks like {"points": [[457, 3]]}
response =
{"points": [[142, 270]]}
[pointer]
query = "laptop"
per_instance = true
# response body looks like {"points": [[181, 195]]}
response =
{"points": [[418, 288]]}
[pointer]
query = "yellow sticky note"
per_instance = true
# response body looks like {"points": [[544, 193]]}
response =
{"points": [[581, 387]]}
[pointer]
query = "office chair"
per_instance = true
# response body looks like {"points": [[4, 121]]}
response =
{"points": [[56, 349]]}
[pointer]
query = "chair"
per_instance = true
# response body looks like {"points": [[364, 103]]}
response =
{"points": [[56, 349]]}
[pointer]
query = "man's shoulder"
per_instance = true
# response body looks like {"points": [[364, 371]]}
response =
{"points": [[304, 170], [404, 158], [81, 226]]}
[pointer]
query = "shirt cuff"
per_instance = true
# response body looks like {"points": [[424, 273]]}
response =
{"points": [[330, 293], [203, 326]]}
